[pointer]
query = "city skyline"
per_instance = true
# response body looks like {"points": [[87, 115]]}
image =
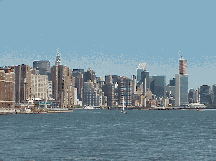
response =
{"points": [[88, 34]]}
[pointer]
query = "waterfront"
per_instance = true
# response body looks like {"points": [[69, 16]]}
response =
{"points": [[110, 135]]}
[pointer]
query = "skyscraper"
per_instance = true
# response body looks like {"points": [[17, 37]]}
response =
{"points": [[205, 96], [125, 91], [22, 83], [43, 66], [157, 85], [141, 67], [181, 84], [145, 80], [63, 85]]}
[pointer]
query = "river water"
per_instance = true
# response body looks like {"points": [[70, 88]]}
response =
{"points": [[109, 135]]}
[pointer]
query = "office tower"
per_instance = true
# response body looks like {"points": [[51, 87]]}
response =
{"points": [[22, 83], [90, 97], [115, 79], [7, 88], [172, 82], [78, 71], [108, 90], [191, 95], [141, 67], [181, 84], [62, 85], [181, 90], [39, 85], [89, 75], [78, 76], [43, 66], [205, 96], [170, 88], [124, 91], [214, 94], [145, 81], [134, 84], [157, 85], [108, 79]]}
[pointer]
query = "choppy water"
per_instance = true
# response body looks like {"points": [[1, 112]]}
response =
{"points": [[109, 135]]}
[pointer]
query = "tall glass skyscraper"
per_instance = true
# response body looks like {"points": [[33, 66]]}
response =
{"points": [[157, 85], [141, 67], [181, 84]]}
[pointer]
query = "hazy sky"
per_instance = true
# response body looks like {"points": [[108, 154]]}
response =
{"points": [[113, 36]]}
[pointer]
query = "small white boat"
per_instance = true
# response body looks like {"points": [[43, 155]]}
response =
{"points": [[88, 108], [123, 110]]}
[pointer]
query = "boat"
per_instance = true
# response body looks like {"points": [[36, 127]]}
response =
{"points": [[123, 110], [88, 108]]}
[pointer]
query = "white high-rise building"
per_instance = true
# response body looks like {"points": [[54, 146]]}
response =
{"points": [[39, 85], [181, 84], [181, 90]]}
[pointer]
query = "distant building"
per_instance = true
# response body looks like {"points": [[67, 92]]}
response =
{"points": [[191, 96], [108, 90], [89, 94], [89, 75], [181, 90], [78, 76], [134, 84], [145, 81], [7, 88], [181, 84], [43, 66], [62, 85], [157, 85], [205, 96], [124, 91], [22, 83], [39, 85], [141, 67], [214, 94]]}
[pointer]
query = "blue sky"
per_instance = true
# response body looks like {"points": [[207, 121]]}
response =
{"points": [[112, 37]]}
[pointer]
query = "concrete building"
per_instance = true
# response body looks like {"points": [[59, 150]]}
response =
{"points": [[49, 90], [39, 85], [134, 84], [124, 91], [62, 85], [108, 90], [22, 83], [181, 84], [89, 94], [89, 75], [7, 88]]}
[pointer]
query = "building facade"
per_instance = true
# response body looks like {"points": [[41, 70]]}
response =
{"points": [[63, 85], [22, 83], [7, 88]]}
